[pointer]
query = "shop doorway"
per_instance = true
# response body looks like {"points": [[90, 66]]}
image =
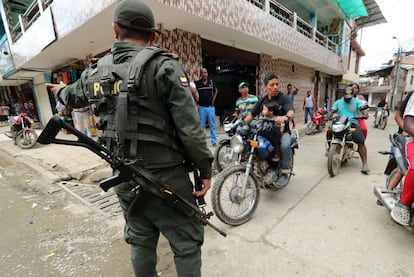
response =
{"points": [[22, 100], [228, 67], [227, 75]]}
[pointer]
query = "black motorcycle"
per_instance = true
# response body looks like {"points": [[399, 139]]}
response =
{"points": [[381, 118], [224, 155], [340, 145], [235, 192]]}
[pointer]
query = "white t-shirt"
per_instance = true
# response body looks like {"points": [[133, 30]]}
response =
{"points": [[409, 109]]}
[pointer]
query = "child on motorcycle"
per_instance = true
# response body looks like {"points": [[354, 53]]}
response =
{"points": [[274, 133]]}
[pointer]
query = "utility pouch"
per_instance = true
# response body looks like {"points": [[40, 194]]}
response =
{"points": [[138, 204]]}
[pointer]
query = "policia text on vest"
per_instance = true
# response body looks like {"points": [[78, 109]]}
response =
{"points": [[98, 91]]}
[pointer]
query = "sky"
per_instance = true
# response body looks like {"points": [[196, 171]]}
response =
{"points": [[377, 41]]}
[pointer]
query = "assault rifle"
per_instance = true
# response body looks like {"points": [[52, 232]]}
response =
{"points": [[127, 170]]}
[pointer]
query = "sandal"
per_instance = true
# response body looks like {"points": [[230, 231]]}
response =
{"points": [[401, 214]]}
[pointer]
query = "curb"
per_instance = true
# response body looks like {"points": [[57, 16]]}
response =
{"points": [[42, 171], [27, 161]]}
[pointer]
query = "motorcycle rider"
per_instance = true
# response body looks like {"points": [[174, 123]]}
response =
{"points": [[350, 106], [400, 122], [401, 213], [383, 104], [361, 121], [284, 114]]}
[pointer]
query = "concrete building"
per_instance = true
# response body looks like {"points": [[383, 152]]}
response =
{"points": [[393, 81], [309, 43]]}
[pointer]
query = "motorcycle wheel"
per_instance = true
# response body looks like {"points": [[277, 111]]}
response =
{"points": [[224, 157], [399, 184], [228, 206], [26, 140], [334, 160], [383, 123], [310, 128], [375, 121]]}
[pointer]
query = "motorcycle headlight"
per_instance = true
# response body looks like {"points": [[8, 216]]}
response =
{"points": [[337, 127], [236, 143], [227, 126]]}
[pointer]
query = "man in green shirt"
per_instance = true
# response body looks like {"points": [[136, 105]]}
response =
{"points": [[246, 102]]}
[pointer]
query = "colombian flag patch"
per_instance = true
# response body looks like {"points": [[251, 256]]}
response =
{"points": [[184, 81]]}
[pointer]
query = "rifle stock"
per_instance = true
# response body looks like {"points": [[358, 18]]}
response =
{"points": [[128, 170]]}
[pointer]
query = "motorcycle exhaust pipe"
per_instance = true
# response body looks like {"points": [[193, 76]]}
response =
{"points": [[386, 197]]}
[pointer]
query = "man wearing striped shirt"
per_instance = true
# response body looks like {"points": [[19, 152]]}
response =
{"points": [[246, 102]]}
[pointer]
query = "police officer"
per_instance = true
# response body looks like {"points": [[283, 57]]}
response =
{"points": [[158, 105]]}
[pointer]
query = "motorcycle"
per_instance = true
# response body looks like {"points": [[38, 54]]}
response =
{"points": [[396, 169], [319, 120], [224, 156], [340, 147], [21, 131], [236, 190], [381, 118]]}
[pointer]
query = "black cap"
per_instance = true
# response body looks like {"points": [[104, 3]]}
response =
{"points": [[135, 15], [348, 93]]}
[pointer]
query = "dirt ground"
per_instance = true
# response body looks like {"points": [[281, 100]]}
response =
{"points": [[44, 231]]}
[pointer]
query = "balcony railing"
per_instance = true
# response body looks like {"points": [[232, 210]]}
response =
{"points": [[258, 3], [288, 17], [275, 9], [281, 13], [32, 12]]}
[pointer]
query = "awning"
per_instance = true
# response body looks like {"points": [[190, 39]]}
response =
{"points": [[353, 8], [375, 15]]}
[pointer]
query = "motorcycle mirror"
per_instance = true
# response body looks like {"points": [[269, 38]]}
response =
{"points": [[365, 107]]}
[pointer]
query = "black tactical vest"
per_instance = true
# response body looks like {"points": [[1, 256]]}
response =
{"points": [[149, 130]]}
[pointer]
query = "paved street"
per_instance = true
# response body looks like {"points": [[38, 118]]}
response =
{"points": [[316, 226]]}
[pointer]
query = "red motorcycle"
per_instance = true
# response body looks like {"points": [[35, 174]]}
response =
{"points": [[319, 120], [21, 131]]}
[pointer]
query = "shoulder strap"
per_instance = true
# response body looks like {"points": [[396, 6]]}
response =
{"points": [[135, 72], [105, 72]]}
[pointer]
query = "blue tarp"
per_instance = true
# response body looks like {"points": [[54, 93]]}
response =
{"points": [[353, 8]]}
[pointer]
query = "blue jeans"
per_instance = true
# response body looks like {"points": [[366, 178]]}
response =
{"points": [[308, 110], [285, 152], [208, 113]]}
